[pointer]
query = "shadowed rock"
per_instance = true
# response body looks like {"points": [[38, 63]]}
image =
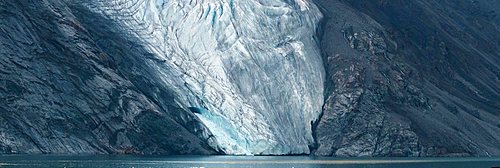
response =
{"points": [[410, 78]]}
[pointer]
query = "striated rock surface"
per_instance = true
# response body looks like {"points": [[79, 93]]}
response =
{"points": [[403, 78], [72, 82]]}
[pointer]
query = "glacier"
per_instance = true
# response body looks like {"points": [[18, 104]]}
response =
{"points": [[250, 69]]}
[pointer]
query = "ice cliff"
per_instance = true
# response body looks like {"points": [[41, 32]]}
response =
{"points": [[252, 67]]}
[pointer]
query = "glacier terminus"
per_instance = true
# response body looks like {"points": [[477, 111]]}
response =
{"points": [[251, 67]]}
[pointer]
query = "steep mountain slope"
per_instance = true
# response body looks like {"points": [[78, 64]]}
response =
{"points": [[410, 78], [72, 82]]}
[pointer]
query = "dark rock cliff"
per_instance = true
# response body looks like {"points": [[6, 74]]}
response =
{"points": [[410, 78], [73, 82]]}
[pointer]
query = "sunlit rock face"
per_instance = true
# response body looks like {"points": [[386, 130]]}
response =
{"points": [[71, 82], [250, 70]]}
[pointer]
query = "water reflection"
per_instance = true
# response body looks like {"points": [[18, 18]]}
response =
{"points": [[239, 162]]}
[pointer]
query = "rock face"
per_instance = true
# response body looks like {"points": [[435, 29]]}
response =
{"points": [[72, 82], [403, 78], [321, 77]]}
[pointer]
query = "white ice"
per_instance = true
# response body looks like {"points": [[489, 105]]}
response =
{"points": [[252, 64]]}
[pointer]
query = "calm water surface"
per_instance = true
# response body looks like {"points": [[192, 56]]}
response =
{"points": [[19, 161]]}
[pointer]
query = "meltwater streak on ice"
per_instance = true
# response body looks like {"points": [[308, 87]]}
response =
{"points": [[253, 65]]}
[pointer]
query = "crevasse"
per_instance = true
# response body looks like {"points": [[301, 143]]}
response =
{"points": [[250, 67]]}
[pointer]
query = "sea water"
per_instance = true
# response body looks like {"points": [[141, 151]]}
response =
{"points": [[105, 161]]}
